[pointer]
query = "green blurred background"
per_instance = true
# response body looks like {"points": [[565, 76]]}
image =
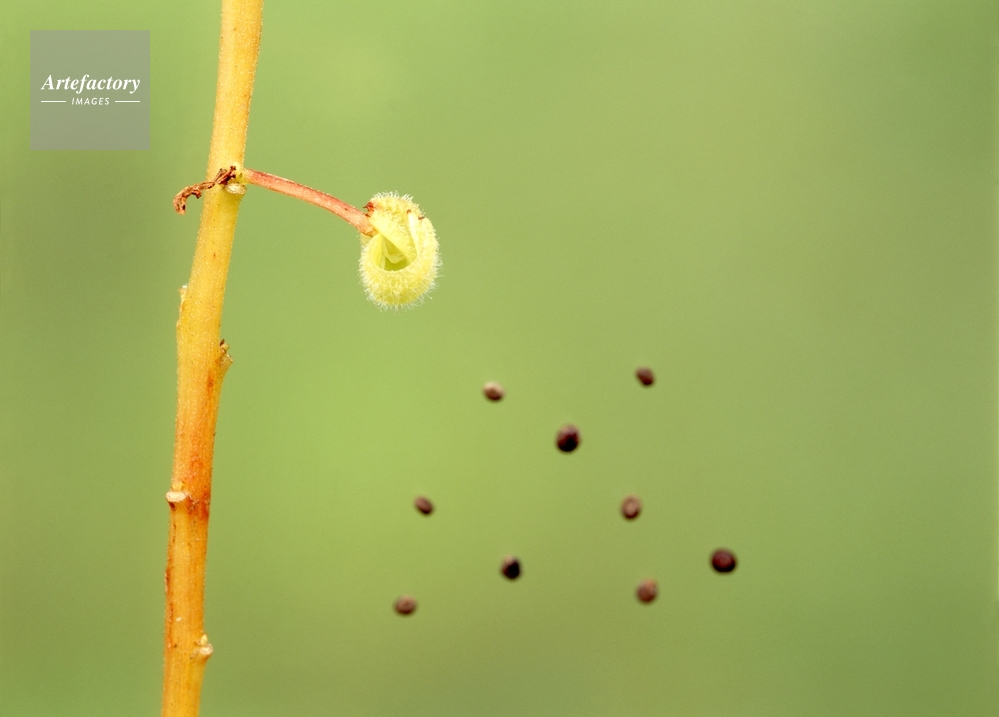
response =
{"points": [[787, 210]]}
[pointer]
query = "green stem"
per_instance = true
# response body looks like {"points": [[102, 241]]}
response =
{"points": [[202, 360]]}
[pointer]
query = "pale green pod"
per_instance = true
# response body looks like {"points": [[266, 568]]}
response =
{"points": [[399, 262]]}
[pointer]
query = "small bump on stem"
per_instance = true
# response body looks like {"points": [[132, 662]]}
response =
{"points": [[225, 359], [204, 649]]}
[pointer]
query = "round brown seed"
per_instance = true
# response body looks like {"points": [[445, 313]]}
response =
{"points": [[510, 567], [423, 505], [631, 506], [723, 561], [493, 391], [647, 590], [405, 605], [567, 439], [644, 375]]}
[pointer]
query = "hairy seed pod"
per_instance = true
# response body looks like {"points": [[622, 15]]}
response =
{"points": [[399, 263]]}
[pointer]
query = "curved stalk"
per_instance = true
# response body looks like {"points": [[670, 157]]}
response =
{"points": [[202, 360], [347, 212]]}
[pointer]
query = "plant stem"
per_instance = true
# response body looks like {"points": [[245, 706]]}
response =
{"points": [[347, 212], [202, 360]]}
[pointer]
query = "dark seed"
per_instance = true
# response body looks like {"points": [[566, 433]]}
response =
{"points": [[723, 561], [647, 590], [493, 391], [424, 505], [567, 439], [631, 507], [405, 605], [644, 375], [510, 567]]}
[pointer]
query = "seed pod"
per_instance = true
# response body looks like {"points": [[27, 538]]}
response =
{"points": [[631, 506], [647, 590], [493, 391], [723, 561], [510, 567], [568, 438], [405, 605], [645, 376], [423, 505], [399, 262]]}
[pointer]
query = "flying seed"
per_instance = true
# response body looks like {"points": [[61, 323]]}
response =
{"points": [[423, 505], [647, 590], [510, 567], [567, 439], [631, 506], [405, 605], [493, 391], [723, 561], [644, 375]]}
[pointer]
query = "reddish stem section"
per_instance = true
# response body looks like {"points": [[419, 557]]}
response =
{"points": [[347, 212]]}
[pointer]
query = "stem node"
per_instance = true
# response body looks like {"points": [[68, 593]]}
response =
{"points": [[196, 190], [204, 650], [225, 360], [176, 496]]}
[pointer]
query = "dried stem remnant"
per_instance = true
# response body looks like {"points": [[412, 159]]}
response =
{"points": [[196, 190]]}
